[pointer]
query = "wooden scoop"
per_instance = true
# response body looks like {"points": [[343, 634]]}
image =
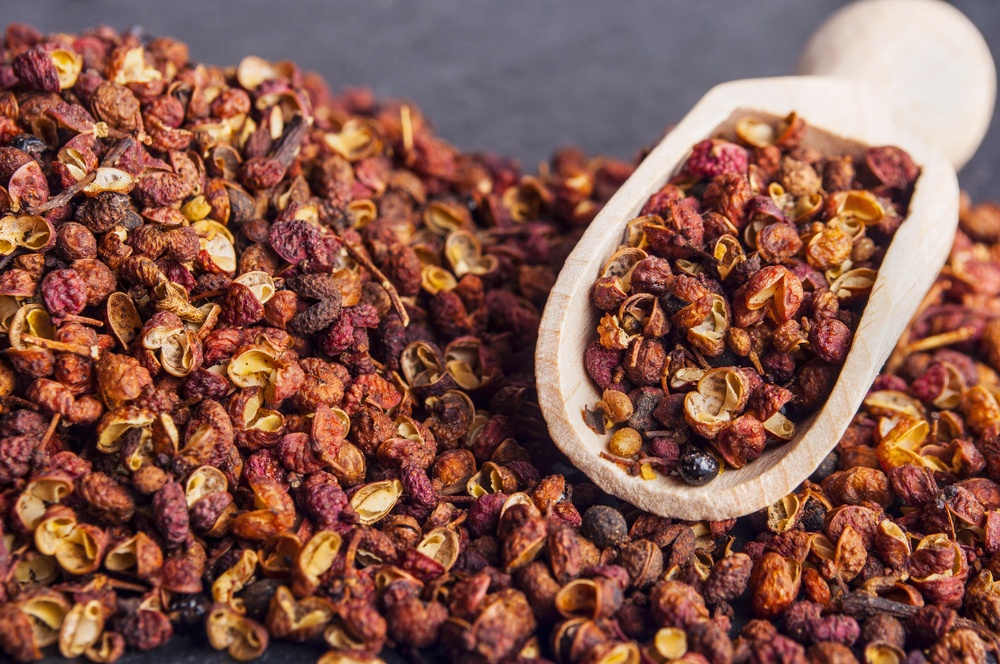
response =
{"points": [[930, 58]]}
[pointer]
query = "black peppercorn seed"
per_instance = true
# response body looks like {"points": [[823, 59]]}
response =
{"points": [[697, 467]]}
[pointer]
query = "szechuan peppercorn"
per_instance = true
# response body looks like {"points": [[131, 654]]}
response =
{"points": [[731, 303]]}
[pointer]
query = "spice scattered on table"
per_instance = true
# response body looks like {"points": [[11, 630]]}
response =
{"points": [[732, 303]]}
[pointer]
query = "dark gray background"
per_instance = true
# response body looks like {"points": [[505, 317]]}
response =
{"points": [[519, 77]]}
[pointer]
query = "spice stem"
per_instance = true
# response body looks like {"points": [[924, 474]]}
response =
{"points": [[64, 197], [457, 499], [899, 352], [91, 352], [113, 155], [859, 603], [82, 320], [51, 430], [352, 551], [621, 463], [207, 295], [362, 258], [4, 260], [406, 127], [939, 340]]}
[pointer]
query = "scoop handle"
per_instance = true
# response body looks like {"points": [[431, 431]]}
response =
{"points": [[923, 55]]}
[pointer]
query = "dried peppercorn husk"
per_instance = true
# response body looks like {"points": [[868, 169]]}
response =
{"points": [[733, 298]]}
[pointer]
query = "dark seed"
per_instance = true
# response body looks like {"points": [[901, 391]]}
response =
{"points": [[671, 303], [696, 466], [257, 597], [28, 143], [726, 359], [188, 610], [604, 526], [813, 516]]}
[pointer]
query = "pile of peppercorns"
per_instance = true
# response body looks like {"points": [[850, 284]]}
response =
{"points": [[264, 376], [731, 305]]}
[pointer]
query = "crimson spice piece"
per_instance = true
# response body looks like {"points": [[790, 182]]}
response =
{"points": [[233, 431], [731, 304]]}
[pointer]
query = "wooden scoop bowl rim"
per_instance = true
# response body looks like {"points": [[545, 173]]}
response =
{"points": [[846, 110]]}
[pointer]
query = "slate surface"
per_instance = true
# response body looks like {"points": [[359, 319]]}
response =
{"points": [[519, 77]]}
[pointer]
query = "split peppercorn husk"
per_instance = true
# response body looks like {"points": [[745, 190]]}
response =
{"points": [[292, 400], [731, 304]]}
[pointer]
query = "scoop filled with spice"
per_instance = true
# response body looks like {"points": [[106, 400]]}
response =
{"points": [[715, 330]]}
